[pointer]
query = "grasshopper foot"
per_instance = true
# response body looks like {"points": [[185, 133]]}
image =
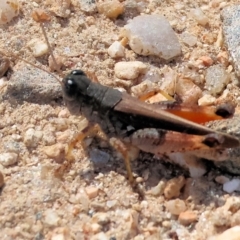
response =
{"points": [[124, 150]]}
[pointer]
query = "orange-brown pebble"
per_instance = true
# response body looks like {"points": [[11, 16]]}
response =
{"points": [[206, 60], [223, 58], [39, 15], [173, 187], [111, 9], [92, 192], [187, 217]]}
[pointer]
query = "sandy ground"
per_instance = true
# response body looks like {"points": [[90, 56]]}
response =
{"points": [[94, 200]]}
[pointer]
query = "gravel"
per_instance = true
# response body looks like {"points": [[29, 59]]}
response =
{"points": [[94, 200]]}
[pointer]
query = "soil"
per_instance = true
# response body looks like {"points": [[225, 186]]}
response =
{"points": [[94, 200]]}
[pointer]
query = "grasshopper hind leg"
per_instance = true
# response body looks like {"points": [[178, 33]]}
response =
{"points": [[121, 147], [93, 130]]}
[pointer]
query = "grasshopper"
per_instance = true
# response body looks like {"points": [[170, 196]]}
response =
{"points": [[127, 121]]}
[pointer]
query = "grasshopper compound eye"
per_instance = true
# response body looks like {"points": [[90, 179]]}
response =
{"points": [[78, 72]]}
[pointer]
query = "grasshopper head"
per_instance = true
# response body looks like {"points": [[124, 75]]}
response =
{"points": [[75, 84]]}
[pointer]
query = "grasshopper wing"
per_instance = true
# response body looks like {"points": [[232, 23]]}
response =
{"points": [[141, 115]]}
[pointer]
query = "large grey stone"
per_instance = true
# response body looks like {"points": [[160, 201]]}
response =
{"points": [[231, 30], [152, 35]]}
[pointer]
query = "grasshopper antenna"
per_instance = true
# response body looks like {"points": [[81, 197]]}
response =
{"points": [[50, 48], [37, 17], [24, 60]]}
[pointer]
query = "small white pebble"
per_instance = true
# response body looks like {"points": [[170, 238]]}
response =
{"points": [[38, 47], [8, 10], [199, 16], [129, 70], [58, 237], [51, 217], [111, 203], [231, 186], [206, 100], [116, 50], [8, 159], [84, 200], [95, 227], [158, 190], [144, 204], [110, 8], [176, 206], [189, 39], [32, 137], [92, 192]]}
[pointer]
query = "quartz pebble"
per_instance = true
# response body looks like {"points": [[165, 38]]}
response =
{"points": [[141, 88], [188, 39], [158, 190], [152, 35], [111, 203], [206, 100], [129, 70], [38, 47], [230, 25], [8, 159], [199, 16], [8, 10], [116, 50], [173, 187], [92, 192], [51, 217], [188, 91], [32, 137], [55, 151], [231, 186], [110, 8], [99, 157], [216, 79], [188, 217], [176, 206]]}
